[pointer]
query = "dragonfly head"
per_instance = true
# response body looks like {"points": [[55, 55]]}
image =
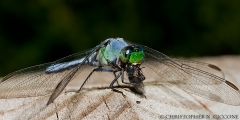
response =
{"points": [[132, 54]]}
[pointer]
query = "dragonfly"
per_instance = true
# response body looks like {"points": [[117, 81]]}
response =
{"points": [[115, 55]]}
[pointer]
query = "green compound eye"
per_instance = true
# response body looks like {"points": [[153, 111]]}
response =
{"points": [[132, 54]]}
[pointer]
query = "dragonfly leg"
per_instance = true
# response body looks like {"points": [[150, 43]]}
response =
{"points": [[114, 73], [122, 78], [115, 79], [99, 69]]}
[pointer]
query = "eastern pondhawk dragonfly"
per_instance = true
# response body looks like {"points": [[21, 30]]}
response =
{"points": [[115, 55]]}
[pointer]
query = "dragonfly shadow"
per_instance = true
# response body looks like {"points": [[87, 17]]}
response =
{"points": [[123, 87], [102, 100], [73, 105], [94, 103]]}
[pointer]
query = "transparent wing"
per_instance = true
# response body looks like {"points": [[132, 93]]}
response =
{"points": [[215, 70], [47, 78], [41, 79], [193, 77]]}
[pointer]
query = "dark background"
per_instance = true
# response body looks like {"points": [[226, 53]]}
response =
{"points": [[38, 31]]}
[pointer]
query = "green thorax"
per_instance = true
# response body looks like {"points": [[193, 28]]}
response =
{"points": [[111, 51]]}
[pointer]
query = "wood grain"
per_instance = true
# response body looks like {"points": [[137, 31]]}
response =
{"points": [[96, 101]]}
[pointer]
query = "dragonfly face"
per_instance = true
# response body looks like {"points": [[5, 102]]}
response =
{"points": [[133, 54]]}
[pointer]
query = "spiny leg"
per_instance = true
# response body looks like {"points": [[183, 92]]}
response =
{"points": [[140, 75], [115, 79], [112, 64], [122, 78], [114, 73], [99, 69]]}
